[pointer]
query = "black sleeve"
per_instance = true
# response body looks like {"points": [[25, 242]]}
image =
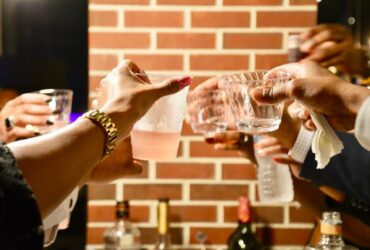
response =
{"points": [[20, 220], [348, 172]]}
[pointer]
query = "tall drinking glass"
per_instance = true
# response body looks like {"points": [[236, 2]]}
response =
{"points": [[156, 135]]}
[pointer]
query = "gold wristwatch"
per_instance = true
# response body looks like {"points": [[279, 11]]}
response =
{"points": [[106, 123]]}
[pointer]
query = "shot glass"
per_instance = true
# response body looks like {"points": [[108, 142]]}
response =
{"points": [[61, 105], [250, 116], [156, 135], [207, 111]]}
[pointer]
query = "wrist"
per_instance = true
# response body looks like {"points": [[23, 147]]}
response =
{"points": [[356, 96]]}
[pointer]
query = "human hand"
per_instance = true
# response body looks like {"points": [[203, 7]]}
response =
{"points": [[128, 98], [233, 140], [22, 113], [269, 145], [328, 44], [117, 165], [318, 90]]}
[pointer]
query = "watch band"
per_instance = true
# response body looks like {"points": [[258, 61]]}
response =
{"points": [[108, 126]]}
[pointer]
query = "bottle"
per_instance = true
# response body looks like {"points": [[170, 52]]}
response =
{"points": [[275, 183], [123, 235], [163, 212], [243, 237], [331, 234]]}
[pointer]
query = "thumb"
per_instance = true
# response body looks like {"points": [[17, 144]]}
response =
{"points": [[279, 93], [170, 86]]}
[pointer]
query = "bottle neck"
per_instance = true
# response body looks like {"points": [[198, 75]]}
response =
{"points": [[163, 212], [244, 211]]}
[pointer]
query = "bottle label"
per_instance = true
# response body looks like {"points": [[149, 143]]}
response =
{"points": [[330, 229], [127, 240]]}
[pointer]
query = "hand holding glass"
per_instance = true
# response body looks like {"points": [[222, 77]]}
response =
{"points": [[207, 111], [250, 116]]}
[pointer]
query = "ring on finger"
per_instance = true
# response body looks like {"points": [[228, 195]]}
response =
{"points": [[9, 122]]}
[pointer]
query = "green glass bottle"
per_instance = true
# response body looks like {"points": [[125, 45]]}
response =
{"points": [[243, 237]]}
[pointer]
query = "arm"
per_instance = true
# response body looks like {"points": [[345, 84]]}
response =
{"points": [[54, 164]]}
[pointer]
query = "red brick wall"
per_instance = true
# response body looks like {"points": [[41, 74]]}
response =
{"points": [[202, 38]]}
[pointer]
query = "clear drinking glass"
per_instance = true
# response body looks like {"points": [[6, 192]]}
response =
{"points": [[156, 135], [250, 116], [61, 104], [207, 111]]}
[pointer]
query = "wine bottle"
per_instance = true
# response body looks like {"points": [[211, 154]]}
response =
{"points": [[243, 237], [331, 234], [123, 235], [164, 238]]}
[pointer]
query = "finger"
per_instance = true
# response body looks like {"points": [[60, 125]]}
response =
{"points": [[23, 119], [266, 142], [210, 84], [33, 109], [325, 51], [20, 133], [220, 146], [169, 87], [275, 94], [310, 125], [284, 159], [31, 98]]}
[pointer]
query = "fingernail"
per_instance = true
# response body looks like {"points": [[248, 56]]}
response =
{"points": [[306, 46], [301, 115], [37, 133], [185, 81], [55, 112], [48, 122], [261, 152]]}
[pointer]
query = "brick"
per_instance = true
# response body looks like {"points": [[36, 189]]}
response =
{"points": [[154, 19], [219, 62], [193, 214], [286, 19], [102, 192], [259, 214], [102, 62], [120, 2], [157, 62], [279, 236], [203, 19], [148, 235], [303, 2], [119, 40], [185, 171], [152, 191], [94, 82], [264, 62], [238, 172], [253, 40], [107, 213], [186, 2], [103, 18], [186, 41], [217, 192], [214, 235], [202, 149], [95, 235], [252, 2]]}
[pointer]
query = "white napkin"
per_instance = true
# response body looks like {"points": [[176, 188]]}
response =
{"points": [[325, 143]]}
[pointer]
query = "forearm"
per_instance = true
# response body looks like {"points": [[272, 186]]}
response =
{"points": [[54, 164]]}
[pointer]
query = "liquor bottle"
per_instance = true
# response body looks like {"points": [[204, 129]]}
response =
{"points": [[243, 237], [331, 234], [275, 183], [163, 212], [123, 235]]}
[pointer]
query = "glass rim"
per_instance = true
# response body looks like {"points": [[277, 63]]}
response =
{"points": [[164, 75], [226, 80], [52, 91]]}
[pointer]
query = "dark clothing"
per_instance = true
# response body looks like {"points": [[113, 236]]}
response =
{"points": [[348, 172], [20, 220]]}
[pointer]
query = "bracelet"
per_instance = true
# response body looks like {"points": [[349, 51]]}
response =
{"points": [[110, 130]]}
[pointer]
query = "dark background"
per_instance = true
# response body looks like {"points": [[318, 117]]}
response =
{"points": [[44, 44]]}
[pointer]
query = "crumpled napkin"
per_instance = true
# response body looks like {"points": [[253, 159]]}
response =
{"points": [[325, 143]]}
